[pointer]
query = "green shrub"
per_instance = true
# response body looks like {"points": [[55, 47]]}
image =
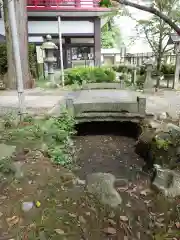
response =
{"points": [[3, 59], [52, 135], [140, 81], [32, 60], [89, 75], [142, 70], [168, 69], [122, 68]]}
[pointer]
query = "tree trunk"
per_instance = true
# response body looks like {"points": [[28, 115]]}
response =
{"points": [[21, 18], [159, 59]]}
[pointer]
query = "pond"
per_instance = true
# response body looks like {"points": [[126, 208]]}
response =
{"points": [[108, 147]]}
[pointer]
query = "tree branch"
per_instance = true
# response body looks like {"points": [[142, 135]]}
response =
{"points": [[154, 11], [149, 41]]}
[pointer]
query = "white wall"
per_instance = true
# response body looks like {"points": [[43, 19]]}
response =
{"points": [[2, 30], [82, 40], [51, 27]]}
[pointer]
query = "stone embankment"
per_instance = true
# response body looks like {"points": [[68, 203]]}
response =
{"points": [[159, 145]]}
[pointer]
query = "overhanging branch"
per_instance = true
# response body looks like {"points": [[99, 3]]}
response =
{"points": [[154, 11]]}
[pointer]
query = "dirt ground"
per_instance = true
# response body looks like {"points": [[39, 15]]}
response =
{"points": [[68, 212]]}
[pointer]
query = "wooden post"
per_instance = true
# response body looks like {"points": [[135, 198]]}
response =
{"points": [[61, 51], [176, 84]]}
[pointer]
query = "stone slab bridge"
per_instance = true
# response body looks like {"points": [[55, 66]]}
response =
{"points": [[106, 105]]}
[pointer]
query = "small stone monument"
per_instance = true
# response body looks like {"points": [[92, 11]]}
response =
{"points": [[48, 46], [149, 83]]}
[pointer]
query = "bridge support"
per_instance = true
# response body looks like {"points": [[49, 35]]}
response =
{"points": [[70, 106], [141, 105]]}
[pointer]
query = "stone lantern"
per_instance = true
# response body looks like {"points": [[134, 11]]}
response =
{"points": [[149, 83], [48, 46]]}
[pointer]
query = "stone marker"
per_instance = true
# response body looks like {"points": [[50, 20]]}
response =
{"points": [[149, 84], [102, 186], [167, 181]]}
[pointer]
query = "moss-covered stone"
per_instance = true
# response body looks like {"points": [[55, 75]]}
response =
{"points": [[160, 145]]}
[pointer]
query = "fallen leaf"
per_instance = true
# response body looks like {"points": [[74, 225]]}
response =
{"points": [[109, 230], [177, 225], [138, 235], [145, 192], [160, 225], [82, 219], [111, 221], [122, 189], [87, 213], [128, 204], [72, 215], [59, 231], [160, 220], [124, 218], [12, 221]]}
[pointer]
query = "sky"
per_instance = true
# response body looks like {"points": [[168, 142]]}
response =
{"points": [[127, 28]]}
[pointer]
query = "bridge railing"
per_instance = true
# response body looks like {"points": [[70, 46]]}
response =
{"points": [[131, 109]]}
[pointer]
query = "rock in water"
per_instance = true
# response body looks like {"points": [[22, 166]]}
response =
{"points": [[102, 186]]}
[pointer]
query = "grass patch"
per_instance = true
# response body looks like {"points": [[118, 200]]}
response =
{"points": [[50, 135]]}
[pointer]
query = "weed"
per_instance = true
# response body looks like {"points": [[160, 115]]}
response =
{"points": [[6, 166], [52, 132]]}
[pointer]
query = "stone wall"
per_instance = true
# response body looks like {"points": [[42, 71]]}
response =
{"points": [[159, 145]]}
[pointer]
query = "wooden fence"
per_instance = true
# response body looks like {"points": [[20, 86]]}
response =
{"points": [[139, 58]]}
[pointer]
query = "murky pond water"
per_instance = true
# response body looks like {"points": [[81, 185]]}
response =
{"points": [[109, 148]]}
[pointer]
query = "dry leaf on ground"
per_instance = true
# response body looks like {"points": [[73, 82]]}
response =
{"points": [[12, 221], [59, 231], [109, 230], [124, 218]]}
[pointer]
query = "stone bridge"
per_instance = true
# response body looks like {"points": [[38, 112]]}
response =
{"points": [[107, 105]]}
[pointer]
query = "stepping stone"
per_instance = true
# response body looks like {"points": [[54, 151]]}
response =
{"points": [[102, 186]]}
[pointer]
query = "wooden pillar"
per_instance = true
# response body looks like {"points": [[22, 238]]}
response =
{"points": [[176, 83], [68, 57], [97, 42]]}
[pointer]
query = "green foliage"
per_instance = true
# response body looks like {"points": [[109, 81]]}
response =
{"points": [[156, 31], [142, 70], [162, 144], [89, 75], [140, 81], [110, 35], [105, 3], [3, 59], [6, 166], [32, 60], [168, 69], [51, 135], [122, 68]]}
